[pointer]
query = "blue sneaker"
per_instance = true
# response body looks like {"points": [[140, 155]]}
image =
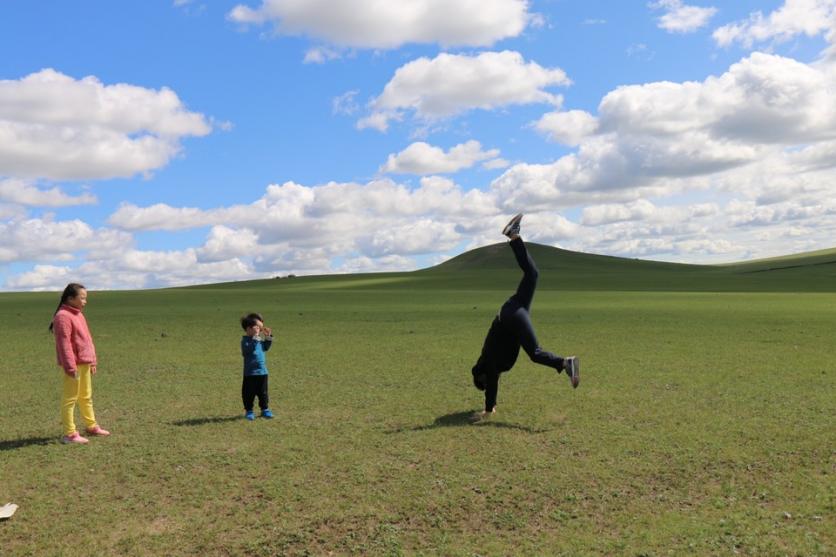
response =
{"points": [[250, 415], [267, 414]]}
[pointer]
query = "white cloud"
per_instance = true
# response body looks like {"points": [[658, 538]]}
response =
{"points": [[321, 54], [606, 214], [227, 243], [663, 137], [121, 268], [682, 18], [387, 25], [793, 18], [365, 264], [332, 210], [24, 192], [546, 227], [423, 158], [417, 237], [56, 127], [378, 121], [640, 51], [154, 269], [161, 217], [43, 277], [451, 84], [494, 164], [12, 211], [749, 213], [346, 103], [568, 128], [43, 239], [763, 99]]}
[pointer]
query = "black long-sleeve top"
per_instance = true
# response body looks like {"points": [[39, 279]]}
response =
{"points": [[499, 354]]}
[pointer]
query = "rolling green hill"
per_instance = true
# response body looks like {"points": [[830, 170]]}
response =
{"points": [[570, 270], [493, 267]]}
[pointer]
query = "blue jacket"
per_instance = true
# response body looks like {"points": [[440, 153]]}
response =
{"points": [[253, 351]]}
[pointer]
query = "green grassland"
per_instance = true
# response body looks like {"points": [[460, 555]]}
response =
{"points": [[703, 425]]}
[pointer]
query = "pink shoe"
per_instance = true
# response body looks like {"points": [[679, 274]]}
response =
{"points": [[97, 431], [74, 437]]}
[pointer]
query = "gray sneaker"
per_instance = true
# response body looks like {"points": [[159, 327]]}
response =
{"points": [[513, 226], [572, 367]]}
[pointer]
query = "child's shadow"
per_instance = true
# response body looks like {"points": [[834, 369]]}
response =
{"points": [[20, 443], [208, 420], [466, 418]]}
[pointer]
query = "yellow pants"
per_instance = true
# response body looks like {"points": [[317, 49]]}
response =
{"points": [[79, 389]]}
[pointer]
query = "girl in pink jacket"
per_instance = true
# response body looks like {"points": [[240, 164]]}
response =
{"points": [[77, 356]]}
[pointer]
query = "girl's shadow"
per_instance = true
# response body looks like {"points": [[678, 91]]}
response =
{"points": [[20, 443], [466, 418]]}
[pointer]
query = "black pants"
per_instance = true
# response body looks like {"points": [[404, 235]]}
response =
{"points": [[515, 318], [255, 385], [514, 314]]}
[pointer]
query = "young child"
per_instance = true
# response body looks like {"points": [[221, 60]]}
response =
{"points": [[511, 330], [254, 344], [77, 355]]}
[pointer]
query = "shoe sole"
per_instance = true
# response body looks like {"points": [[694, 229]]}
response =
{"points": [[574, 372], [69, 442], [514, 221]]}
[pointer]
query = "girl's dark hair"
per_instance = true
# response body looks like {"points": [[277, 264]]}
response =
{"points": [[250, 319], [71, 291]]}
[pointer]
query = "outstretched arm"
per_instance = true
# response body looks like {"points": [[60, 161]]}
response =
{"points": [[491, 390]]}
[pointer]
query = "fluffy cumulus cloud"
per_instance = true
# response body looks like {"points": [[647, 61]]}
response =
{"points": [[417, 237], [388, 25], [422, 158], [364, 264], [605, 214], [793, 18], [291, 229], [755, 145], [290, 210], [682, 18], [44, 239], [23, 192], [450, 84], [569, 128], [226, 243], [54, 126], [665, 137]]}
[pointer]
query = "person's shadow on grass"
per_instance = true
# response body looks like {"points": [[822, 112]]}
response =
{"points": [[207, 420], [466, 418], [29, 441]]}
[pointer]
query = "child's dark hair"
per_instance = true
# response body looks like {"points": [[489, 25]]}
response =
{"points": [[71, 291], [250, 319]]}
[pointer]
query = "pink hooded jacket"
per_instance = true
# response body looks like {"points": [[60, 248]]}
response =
{"points": [[73, 342]]}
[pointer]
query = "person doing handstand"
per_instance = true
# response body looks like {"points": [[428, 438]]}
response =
{"points": [[512, 329]]}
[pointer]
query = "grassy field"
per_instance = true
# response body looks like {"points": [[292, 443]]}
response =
{"points": [[704, 423]]}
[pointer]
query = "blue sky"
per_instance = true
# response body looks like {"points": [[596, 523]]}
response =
{"points": [[161, 143]]}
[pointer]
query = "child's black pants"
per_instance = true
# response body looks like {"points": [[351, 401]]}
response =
{"points": [[255, 386]]}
